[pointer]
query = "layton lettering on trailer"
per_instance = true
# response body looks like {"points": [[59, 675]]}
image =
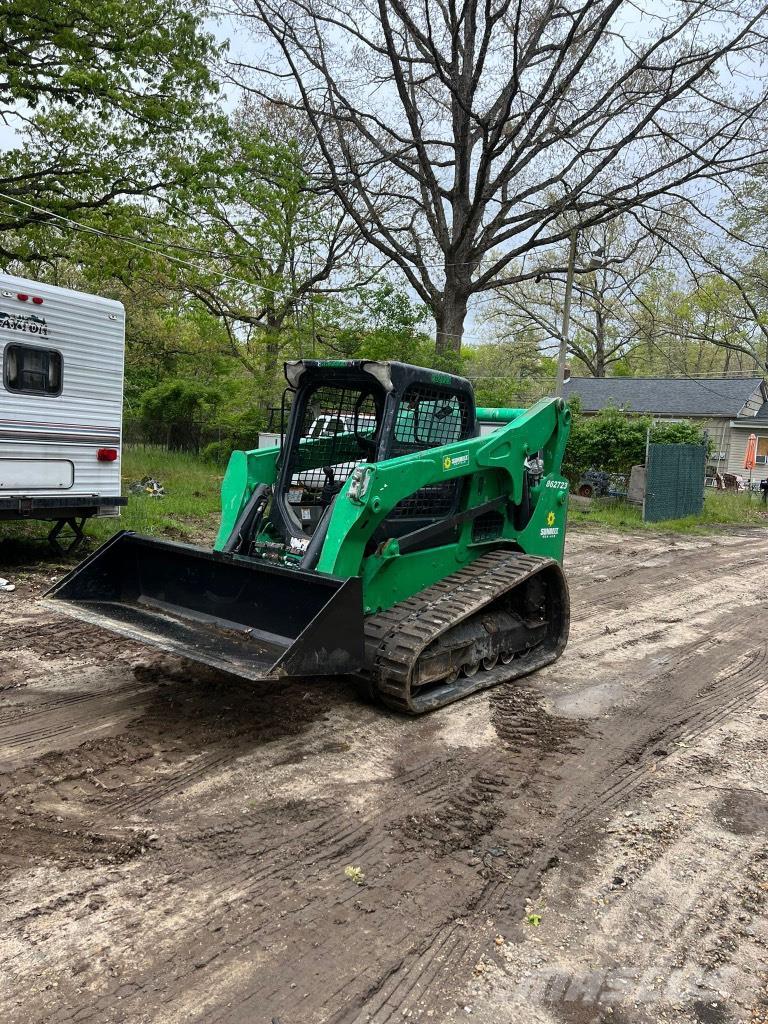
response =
{"points": [[61, 400]]}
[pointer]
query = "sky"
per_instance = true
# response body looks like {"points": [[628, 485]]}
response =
{"points": [[243, 46]]}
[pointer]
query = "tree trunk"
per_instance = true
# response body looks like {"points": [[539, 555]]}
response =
{"points": [[450, 317], [271, 353]]}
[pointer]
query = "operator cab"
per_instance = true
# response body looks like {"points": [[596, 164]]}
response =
{"points": [[348, 412]]}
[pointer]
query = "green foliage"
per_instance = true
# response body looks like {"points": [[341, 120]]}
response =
{"points": [[509, 372], [121, 98], [92, 54], [700, 327], [615, 440], [218, 452], [720, 509], [683, 432], [176, 412], [374, 323]]}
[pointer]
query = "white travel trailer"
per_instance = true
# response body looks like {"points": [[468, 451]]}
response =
{"points": [[61, 401]]}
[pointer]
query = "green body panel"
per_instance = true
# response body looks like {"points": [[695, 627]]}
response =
{"points": [[485, 415], [245, 471], [495, 467], [494, 463]]}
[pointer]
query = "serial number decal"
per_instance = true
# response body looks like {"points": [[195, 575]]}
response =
{"points": [[558, 485]]}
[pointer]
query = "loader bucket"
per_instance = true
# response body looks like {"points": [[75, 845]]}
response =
{"points": [[247, 617]]}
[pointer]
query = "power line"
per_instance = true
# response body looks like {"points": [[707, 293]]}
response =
{"points": [[173, 245], [145, 245], [685, 374], [439, 265]]}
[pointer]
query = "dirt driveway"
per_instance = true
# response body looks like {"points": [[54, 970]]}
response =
{"points": [[592, 846]]}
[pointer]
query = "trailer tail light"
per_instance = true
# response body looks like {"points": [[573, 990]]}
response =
{"points": [[37, 300], [106, 454], [22, 297]]}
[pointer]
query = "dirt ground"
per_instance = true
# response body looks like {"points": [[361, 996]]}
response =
{"points": [[590, 846]]}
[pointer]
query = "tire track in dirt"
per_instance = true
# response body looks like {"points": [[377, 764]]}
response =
{"points": [[242, 905], [327, 852], [243, 925], [363, 854], [60, 638], [446, 944], [452, 949], [33, 730]]}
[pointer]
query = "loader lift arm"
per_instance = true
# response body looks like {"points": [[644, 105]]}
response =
{"points": [[494, 467]]}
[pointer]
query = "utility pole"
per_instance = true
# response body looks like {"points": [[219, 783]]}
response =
{"points": [[565, 331]]}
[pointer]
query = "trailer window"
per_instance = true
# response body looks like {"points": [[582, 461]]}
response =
{"points": [[32, 371]]}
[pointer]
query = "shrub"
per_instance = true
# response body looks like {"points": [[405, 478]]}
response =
{"points": [[176, 413], [614, 441], [217, 452]]}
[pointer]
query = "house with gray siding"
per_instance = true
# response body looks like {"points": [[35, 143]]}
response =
{"points": [[729, 408]]}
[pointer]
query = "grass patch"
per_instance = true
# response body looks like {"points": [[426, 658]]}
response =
{"points": [[721, 509], [190, 507], [189, 510]]}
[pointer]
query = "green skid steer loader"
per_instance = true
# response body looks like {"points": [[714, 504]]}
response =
{"points": [[385, 539]]}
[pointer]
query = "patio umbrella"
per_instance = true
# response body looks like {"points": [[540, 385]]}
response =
{"points": [[750, 459]]}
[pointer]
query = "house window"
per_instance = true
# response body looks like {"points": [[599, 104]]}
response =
{"points": [[32, 371], [762, 451]]}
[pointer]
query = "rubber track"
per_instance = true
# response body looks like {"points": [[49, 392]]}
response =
{"points": [[396, 638]]}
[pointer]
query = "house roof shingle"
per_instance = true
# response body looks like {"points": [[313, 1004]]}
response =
{"points": [[666, 396]]}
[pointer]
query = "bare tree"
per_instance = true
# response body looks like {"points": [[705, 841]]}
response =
{"points": [[461, 135], [724, 256], [613, 260], [697, 324]]}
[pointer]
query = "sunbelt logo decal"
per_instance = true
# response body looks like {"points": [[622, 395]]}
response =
{"points": [[550, 530], [455, 461]]}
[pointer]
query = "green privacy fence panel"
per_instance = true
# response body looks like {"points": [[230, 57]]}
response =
{"points": [[674, 481]]}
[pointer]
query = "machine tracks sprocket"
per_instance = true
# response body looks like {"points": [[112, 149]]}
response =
{"points": [[500, 617]]}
